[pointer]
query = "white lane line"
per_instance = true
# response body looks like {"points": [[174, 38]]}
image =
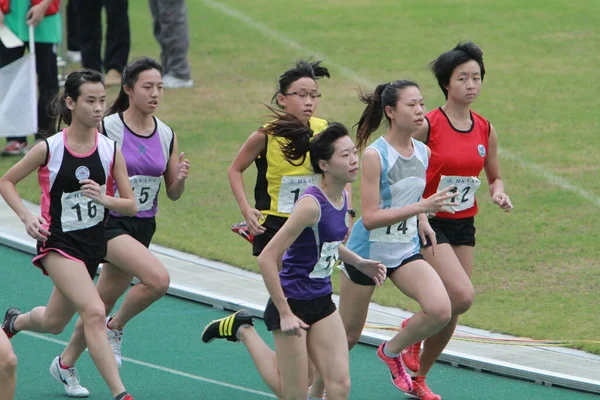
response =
{"points": [[354, 76], [164, 369]]}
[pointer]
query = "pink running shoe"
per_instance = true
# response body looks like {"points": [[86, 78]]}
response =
{"points": [[400, 378], [412, 354], [421, 391]]}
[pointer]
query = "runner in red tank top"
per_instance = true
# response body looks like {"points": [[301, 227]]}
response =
{"points": [[462, 143]]}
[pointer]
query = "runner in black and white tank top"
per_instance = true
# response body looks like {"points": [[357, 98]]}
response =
{"points": [[76, 222]]}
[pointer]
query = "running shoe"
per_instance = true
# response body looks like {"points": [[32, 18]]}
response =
{"points": [[227, 328], [421, 391], [115, 338], [124, 396], [69, 378], [400, 378], [14, 148], [411, 356], [9, 320], [242, 230]]}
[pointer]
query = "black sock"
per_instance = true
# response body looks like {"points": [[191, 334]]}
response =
{"points": [[120, 396]]}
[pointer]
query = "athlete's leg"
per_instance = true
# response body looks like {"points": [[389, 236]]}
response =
{"points": [[419, 281], [8, 368], [134, 258], [112, 283], [283, 370], [73, 284], [353, 310], [330, 355], [454, 265]]}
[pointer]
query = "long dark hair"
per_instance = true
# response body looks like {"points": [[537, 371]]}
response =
{"points": [[386, 94], [303, 69], [130, 76], [298, 139], [60, 112], [443, 66]]}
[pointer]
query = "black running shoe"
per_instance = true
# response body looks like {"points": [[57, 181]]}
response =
{"points": [[9, 319], [227, 328]]}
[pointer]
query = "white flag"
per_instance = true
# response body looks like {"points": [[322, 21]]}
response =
{"points": [[18, 96]]}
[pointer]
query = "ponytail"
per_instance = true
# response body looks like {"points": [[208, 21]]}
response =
{"points": [[297, 135], [371, 117]]}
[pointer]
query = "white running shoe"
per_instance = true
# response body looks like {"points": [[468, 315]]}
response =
{"points": [[115, 337], [172, 82], [69, 378]]}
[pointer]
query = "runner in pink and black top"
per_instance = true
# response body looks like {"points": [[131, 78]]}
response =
{"points": [[151, 153]]}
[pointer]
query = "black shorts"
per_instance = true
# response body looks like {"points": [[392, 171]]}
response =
{"points": [[457, 232], [141, 229], [90, 264], [359, 278], [309, 311], [272, 224]]}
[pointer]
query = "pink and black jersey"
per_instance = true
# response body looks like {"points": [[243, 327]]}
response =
{"points": [[309, 261], [146, 158], [76, 223]]}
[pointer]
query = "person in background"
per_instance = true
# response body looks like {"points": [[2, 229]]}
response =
{"points": [[118, 36], [171, 30], [18, 15]]}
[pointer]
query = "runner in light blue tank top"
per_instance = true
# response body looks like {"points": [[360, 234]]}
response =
{"points": [[401, 183], [392, 184], [150, 150]]}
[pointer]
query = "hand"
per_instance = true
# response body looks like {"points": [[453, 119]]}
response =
{"points": [[35, 227], [93, 191], [438, 201], [426, 231], [292, 325], [183, 168], [502, 201], [35, 15], [252, 218], [373, 269]]}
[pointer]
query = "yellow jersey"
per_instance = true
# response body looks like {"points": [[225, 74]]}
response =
{"points": [[278, 182]]}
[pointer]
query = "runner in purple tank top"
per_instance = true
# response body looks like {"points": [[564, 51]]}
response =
{"points": [[150, 150], [296, 265]]}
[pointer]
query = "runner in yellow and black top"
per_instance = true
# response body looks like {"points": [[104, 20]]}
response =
{"points": [[279, 182]]}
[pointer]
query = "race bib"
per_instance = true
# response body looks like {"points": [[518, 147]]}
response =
{"points": [[80, 212], [402, 232], [328, 258], [290, 190], [145, 189], [465, 188]]}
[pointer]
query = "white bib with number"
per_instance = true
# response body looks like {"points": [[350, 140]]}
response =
{"points": [[145, 189], [290, 190], [466, 186], [328, 258], [402, 232], [80, 212]]}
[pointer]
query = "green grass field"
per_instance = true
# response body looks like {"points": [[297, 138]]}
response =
{"points": [[537, 269]]}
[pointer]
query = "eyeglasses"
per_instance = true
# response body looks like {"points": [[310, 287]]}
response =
{"points": [[302, 94]]}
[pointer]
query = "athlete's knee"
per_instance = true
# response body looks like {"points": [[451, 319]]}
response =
{"points": [[353, 335], [159, 283], [339, 385], [54, 326], [439, 315], [8, 364], [463, 300], [94, 315]]}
